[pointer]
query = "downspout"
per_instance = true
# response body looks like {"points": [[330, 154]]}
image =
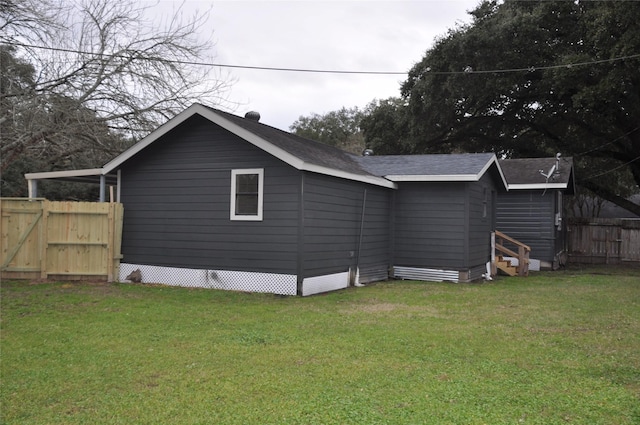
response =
{"points": [[300, 266], [392, 234], [364, 206]]}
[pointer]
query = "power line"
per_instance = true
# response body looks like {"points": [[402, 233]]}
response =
{"points": [[467, 70], [608, 143], [613, 169]]}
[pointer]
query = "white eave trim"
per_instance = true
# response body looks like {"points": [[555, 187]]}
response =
{"points": [[538, 186], [246, 135], [434, 178], [68, 173], [378, 181], [451, 177], [494, 159]]}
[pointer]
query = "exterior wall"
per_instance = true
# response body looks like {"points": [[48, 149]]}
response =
{"points": [[482, 219], [561, 245], [374, 258], [177, 203], [431, 225], [528, 216], [443, 230], [332, 221]]}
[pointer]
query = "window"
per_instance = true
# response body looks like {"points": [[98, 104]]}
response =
{"points": [[246, 194]]}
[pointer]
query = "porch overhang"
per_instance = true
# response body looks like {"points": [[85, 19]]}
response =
{"points": [[91, 175]]}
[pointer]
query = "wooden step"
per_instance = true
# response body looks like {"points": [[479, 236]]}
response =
{"points": [[506, 267], [521, 252]]}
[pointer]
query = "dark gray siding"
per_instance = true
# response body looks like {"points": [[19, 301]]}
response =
{"points": [[176, 197], [374, 257], [481, 220], [332, 223], [431, 225], [528, 216], [445, 225]]}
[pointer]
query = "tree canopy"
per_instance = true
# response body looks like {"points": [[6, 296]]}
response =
{"points": [[81, 81], [339, 128], [385, 127], [530, 79]]}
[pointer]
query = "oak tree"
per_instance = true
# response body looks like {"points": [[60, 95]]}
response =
{"points": [[533, 78]]}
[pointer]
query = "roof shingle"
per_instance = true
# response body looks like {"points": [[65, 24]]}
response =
{"points": [[529, 170]]}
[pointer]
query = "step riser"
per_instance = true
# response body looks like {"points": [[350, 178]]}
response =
{"points": [[506, 267]]}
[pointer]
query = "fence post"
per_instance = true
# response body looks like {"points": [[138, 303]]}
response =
{"points": [[606, 246], [110, 241], [44, 238]]}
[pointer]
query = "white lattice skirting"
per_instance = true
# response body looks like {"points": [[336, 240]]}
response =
{"points": [[283, 284], [273, 283]]}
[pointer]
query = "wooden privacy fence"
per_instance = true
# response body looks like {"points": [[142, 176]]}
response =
{"points": [[60, 240], [604, 241]]}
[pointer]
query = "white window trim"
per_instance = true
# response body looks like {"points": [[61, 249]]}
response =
{"points": [[244, 217]]}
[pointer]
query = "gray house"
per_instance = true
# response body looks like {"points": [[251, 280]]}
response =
{"points": [[443, 213], [216, 200], [532, 211]]}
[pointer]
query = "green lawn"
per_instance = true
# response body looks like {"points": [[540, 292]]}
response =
{"points": [[554, 348]]}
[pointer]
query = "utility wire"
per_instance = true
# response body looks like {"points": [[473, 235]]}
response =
{"points": [[608, 143], [613, 169], [467, 70]]}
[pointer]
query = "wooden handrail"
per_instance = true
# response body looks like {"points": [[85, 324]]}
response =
{"points": [[522, 255], [508, 238]]}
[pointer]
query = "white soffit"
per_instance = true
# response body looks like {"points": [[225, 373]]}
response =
{"points": [[538, 186]]}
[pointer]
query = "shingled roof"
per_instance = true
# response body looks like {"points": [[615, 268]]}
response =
{"points": [[308, 150], [300, 153], [433, 167], [539, 173], [309, 155], [446, 167]]}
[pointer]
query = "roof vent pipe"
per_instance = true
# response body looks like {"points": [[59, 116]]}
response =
{"points": [[253, 116], [367, 152]]}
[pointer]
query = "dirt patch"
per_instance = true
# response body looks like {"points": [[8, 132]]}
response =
{"points": [[386, 307], [375, 308]]}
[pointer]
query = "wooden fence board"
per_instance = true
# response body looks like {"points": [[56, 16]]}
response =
{"points": [[631, 245], [604, 241], [71, 239]]}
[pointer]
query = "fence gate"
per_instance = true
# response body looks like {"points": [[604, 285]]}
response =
{"points": [[60, 240]]}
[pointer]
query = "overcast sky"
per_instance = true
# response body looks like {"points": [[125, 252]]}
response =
{"points": [[353, 35]]}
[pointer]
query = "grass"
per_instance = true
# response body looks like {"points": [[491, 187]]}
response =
{"points": [[554, 348]]}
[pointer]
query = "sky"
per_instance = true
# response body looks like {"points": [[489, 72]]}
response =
{"points": [[348, 35]]}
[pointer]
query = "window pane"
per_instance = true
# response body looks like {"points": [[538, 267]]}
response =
{"points": [[247, 183], [246, 204], [247, 194]]}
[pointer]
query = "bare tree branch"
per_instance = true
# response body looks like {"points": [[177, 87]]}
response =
{"points": [[97, 74]]}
